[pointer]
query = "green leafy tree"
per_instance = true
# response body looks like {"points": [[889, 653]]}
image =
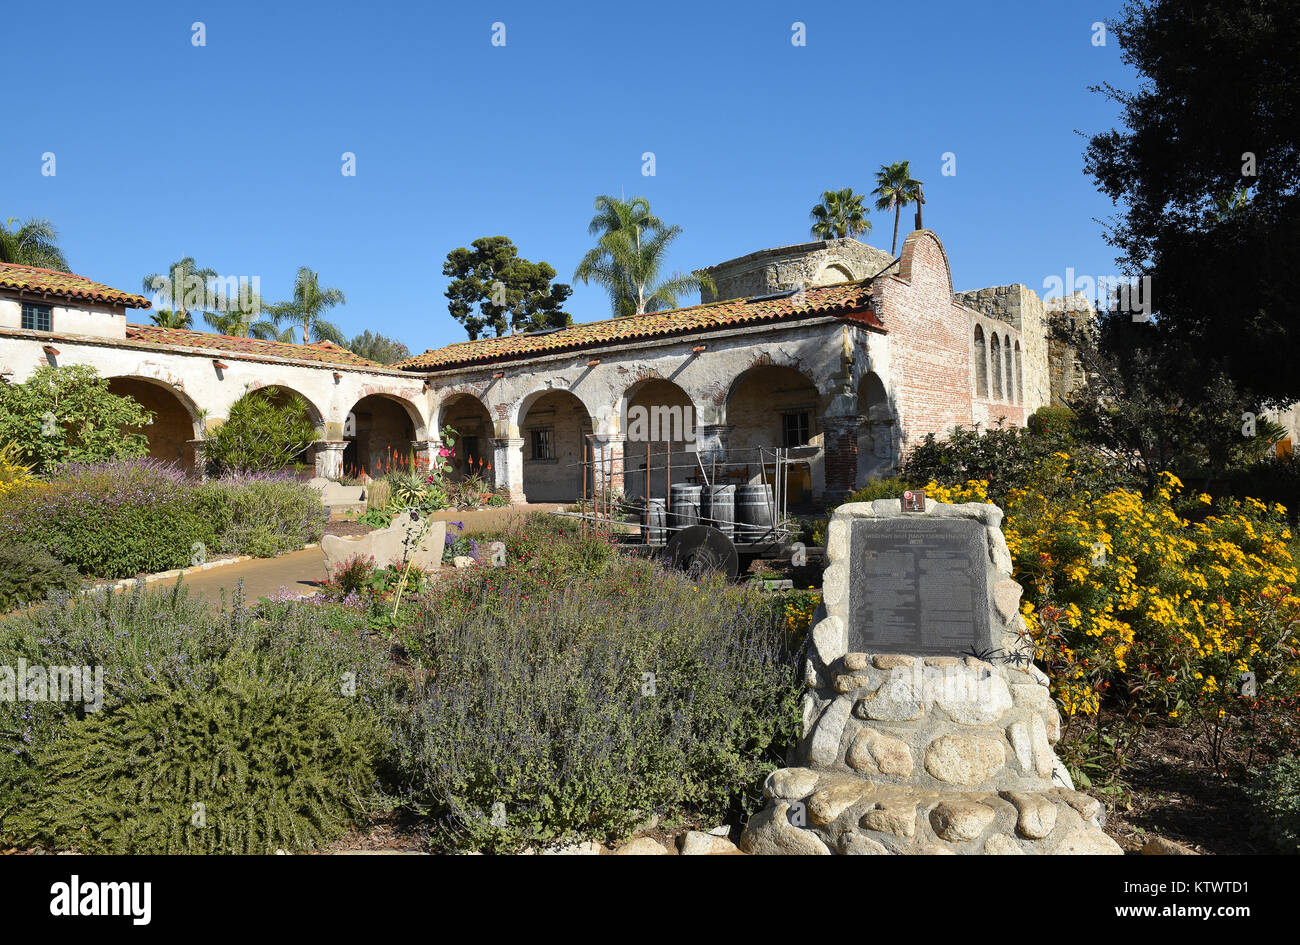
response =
{"points": [[307, 308], [66, 414], [33, 242], [266, 431], [840, 214], [1213, 115], [493, 287], [181, 292], [378, 348], [631, 248], [895, 189]]}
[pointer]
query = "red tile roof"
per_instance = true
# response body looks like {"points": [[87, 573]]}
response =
{"points": [[64, 285], [319, 352], [848, 300]]}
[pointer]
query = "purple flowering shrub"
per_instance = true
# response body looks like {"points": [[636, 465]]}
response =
{"points": [[119, 519]]}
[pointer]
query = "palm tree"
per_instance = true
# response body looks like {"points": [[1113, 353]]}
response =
{"points": [[241, 320], [166, 318], [629, 253], [309, 302], [895, 188], [34, 242], [183, 279], [840, 214]]}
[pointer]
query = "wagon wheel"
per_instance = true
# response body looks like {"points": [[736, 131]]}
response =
{"points": [[700, 549]]}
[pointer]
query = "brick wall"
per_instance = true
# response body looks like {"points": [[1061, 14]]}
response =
{"points": [[929, 343]]}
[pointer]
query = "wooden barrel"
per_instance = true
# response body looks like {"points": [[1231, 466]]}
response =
{"points": [[719, 509], [685, 507], [753, 512], [655, 532]]}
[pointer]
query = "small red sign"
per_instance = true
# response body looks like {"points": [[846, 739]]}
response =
{"points": [[914, 500]]}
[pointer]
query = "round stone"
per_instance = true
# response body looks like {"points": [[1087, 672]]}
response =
{"points": [[967, 760], [959, 821]]}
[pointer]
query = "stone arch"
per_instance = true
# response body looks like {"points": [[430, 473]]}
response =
{"points": [[657, 416], [877, 441], [995, 358], [470, 418], [833, 274], [554, 424], [979, 353], [278, 392], [1009, 372], [176, 419], [1020, 391], [380, 431], [774, 405]]}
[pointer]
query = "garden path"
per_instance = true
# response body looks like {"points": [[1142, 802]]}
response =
{"points": [[297, 572]]}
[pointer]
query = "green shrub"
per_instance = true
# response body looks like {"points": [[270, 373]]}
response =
{"points": [[269, 718], [115, 520], [265, 517], [892, 488], [29, 572], [561, 708], [66, 414], [1053, 421], [1275, 792], [1011, 458], [267, 431], [250, 762]]}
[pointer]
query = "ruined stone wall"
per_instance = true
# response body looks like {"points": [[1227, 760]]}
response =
{"points": [[1022, 309], [825, 262]]}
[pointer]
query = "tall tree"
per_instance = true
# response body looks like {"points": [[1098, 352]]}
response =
{"points": [[169, 318], [378, 348], [840, 214], [895, 189], [308, 305], [631, 247], [242, 319], [33, 242], [1213, 118], [494, 287], [182, 291]]}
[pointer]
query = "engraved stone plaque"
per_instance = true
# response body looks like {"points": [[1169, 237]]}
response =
{"points": [[919, 585]]}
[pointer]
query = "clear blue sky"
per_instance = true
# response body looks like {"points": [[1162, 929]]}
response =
{"points": [[231, 152]]}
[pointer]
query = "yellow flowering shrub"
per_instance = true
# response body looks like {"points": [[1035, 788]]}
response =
{"points": [[1125, 596], [13, 474]]}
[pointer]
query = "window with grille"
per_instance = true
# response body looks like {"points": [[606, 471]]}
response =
{"points": [[543, 443], [795, 429], [37, 317]]}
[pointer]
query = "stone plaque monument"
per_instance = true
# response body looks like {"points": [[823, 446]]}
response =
{"points": [[921, 585], [926, 726]]}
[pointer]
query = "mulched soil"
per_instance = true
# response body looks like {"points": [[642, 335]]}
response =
{"points": [[1177, 795]]}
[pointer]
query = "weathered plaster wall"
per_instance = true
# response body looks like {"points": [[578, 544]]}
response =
{"points": [[88, 318]]}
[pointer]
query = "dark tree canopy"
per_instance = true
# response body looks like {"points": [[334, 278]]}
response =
{"points": [[379, 348], [1205, 173], [493, 287]]}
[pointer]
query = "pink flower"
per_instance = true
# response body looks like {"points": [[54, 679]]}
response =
{"points": [[444, 452]]}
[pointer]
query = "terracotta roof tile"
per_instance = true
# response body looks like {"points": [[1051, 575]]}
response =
{"points": [[320, 352], [64, 285], [849, 300]]}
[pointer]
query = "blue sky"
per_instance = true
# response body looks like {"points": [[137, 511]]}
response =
{"points": [[231, 152]]}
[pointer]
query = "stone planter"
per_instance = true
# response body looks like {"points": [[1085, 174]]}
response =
{"points": [[391, 545]]}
